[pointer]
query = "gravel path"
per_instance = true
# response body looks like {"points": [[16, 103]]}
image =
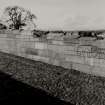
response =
{"points": [[69, 85]]}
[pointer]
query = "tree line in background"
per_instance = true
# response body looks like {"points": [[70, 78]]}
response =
{"points": [[17, 18]]}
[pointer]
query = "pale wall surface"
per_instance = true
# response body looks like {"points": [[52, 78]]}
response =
{"points": [[82, 57]]}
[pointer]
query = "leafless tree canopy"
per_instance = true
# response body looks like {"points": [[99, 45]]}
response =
{"points": [[17, 17]]}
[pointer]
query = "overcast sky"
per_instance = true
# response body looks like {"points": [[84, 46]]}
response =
{"points": [[64, 14]]}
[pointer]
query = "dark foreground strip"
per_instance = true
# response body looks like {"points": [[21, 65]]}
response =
{"points": [[17, 93]]}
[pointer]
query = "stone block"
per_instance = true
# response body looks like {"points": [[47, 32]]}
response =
{"points": [[43, 52], [57, 42], [55, 48], [99, 62], [38, 58], [82, 67], [75, 59], [3, 35], [52, 54], [70, 52], [89, 61], [98, 71], [31, 51], [39, 45], [66, 64], [56, 62]]}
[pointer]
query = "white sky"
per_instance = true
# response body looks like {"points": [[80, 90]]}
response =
{"points": [[64, 14]]}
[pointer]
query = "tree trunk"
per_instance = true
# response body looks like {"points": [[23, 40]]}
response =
{"points": [[16, 26]]}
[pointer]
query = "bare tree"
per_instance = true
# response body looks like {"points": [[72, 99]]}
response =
{"points": [[17, 17]]}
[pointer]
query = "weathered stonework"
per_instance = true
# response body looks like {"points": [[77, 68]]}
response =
{"points": [[75, 53]]}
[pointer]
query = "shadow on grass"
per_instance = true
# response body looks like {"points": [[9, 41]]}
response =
{"points": [[16, 92]]}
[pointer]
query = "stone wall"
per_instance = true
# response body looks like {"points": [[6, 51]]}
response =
{"points": [[74, 54]]}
